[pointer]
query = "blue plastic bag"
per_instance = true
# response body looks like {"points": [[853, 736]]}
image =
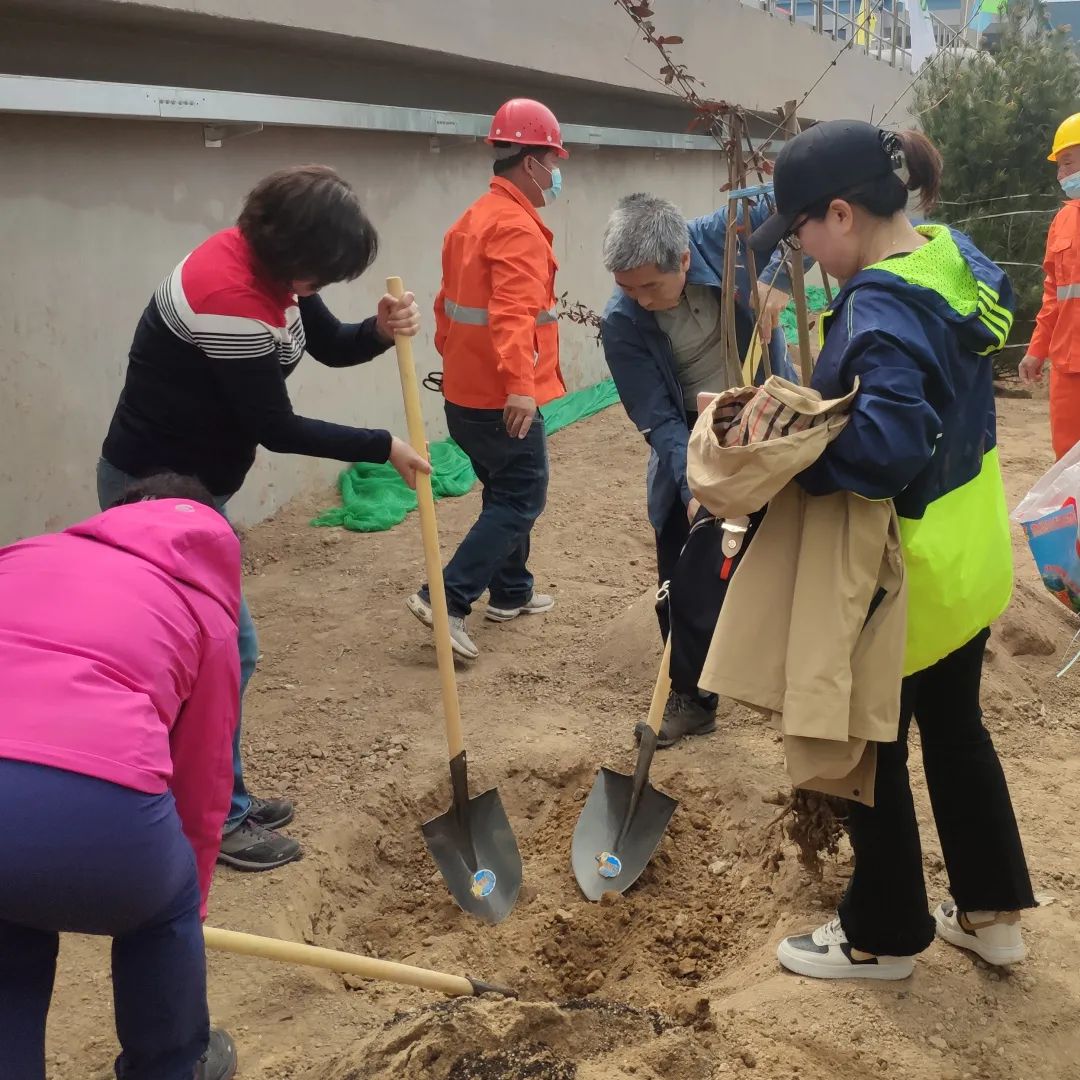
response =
{"points": [[1048, 514], [1053, 542]]}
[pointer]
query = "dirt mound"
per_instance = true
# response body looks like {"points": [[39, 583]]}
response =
{"points": [[626, 653], [529, 1063], [715, 891], [467, 1039], [675, 924]]}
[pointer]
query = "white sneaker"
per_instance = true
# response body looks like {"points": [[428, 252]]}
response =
{"points": [[537, 605], [993, 935], [459, 637], [826, 954]]}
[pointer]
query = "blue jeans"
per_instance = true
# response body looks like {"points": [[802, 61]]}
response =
{"points": [[111, 483], [85, 856], [514, 473]]}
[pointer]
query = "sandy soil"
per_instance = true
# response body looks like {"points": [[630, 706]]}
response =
{"points": [[678, 978]]}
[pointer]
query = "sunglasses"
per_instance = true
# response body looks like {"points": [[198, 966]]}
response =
{"points": [[791, 240]]}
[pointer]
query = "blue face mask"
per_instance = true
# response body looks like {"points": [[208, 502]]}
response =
{"points": [[1071, 185], [552, 193]]}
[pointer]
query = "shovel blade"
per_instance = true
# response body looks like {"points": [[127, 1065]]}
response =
{"points": [[596, 836], [476, 853]]}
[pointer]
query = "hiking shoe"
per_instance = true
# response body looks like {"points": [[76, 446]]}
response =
{"points": [[459, 637], [537, 605], [219, 1061], [251, 847], [993, 935], [826, 954], [270, 813], [684, 714]]}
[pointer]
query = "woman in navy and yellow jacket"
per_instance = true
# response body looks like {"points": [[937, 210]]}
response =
{"points": [[920, 313]]}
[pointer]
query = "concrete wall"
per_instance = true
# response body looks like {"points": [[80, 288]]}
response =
{"points": [[95, 213], [742, 54], [278, 62]]}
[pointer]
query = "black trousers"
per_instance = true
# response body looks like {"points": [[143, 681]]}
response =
{"points": [[885, 909], [691, 561], [670, 541]]}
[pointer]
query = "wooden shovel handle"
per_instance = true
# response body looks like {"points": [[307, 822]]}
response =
{"points": [[429, 529], [661, 689], [798, 274], [367, 967]]}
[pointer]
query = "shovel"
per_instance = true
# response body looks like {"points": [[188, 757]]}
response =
{"points": [[472, 843], [367, 967], [624, 816]]}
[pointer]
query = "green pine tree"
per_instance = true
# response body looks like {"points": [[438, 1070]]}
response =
{"points": [[993, 117]]}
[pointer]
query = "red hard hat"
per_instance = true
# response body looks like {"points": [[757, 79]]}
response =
{"points": [[525, 122]]}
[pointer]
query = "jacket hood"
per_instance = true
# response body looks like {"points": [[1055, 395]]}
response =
{"points": [[190, 542], [952, 278]]}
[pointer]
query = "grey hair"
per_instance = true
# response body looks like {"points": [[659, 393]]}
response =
{"points": [[644, 230]]}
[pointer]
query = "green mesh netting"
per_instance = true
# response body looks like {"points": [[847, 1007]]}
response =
{"points": [[816, 300], [374, 498]]}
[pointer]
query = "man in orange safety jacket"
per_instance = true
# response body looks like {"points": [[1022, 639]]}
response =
{"points": [[497, 331], [1057, 332]]}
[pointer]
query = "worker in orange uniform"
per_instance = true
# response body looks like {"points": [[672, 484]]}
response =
{"points": [[1057, 331], [496, 329]]}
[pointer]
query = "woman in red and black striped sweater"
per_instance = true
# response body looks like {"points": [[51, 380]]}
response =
{"points": [[205, 386]]}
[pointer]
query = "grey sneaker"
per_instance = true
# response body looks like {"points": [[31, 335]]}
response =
{"points": [[219, 1062], [684, 714], [459, 637], [270, 813], [537, 605], [251, 847]]}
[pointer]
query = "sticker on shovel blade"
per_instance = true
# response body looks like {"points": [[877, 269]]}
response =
{"points": [[608, 865], [483, 884]]}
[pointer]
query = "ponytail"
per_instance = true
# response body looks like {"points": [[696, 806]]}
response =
{"points": [[922, 160]]}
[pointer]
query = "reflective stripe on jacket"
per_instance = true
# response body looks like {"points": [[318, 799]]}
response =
{"points": [[1057, 332], [495, 321]]}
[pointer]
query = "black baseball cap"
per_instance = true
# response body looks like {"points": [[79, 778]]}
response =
{"points": [[824, 162]]}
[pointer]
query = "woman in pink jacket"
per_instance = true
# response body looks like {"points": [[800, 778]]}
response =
{"points": [[120, 676]]}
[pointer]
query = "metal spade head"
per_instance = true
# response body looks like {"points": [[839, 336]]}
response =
{"points": [[475, 850], [620, 827]]}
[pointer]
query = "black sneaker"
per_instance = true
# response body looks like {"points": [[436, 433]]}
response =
{"points": [[251, 847], [270, 813], [219, 1061], [684, 714]]}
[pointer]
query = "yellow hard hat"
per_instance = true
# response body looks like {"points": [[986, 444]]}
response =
{"points": [[1067, 135]]}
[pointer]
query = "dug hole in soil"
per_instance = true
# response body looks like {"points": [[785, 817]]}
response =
{"points": [[675, 979]]}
